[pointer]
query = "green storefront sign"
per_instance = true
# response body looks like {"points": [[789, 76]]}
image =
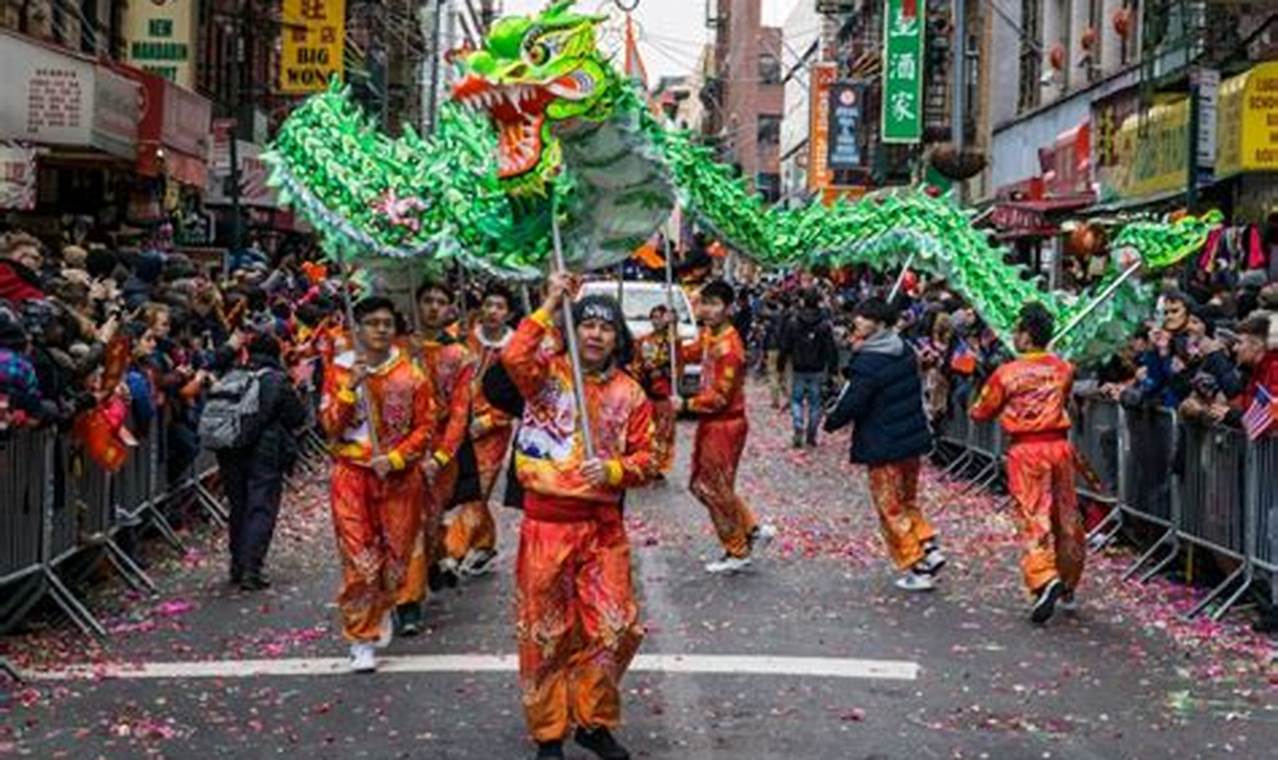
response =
{"points": [[902, 105]]}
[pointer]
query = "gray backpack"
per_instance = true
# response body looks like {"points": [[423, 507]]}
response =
{"points": [[232, 417]]}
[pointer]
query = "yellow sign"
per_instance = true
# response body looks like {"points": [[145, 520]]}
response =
{"points": [[1150, 152], [314, 32], [1247, 122], [158, 33]]}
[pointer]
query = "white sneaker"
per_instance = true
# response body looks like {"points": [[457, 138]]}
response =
{"points": [[477, 562], [386, 631], [761, 536], [1068, 602], [728, 564], [932, 562], [915, 581], [363, 658]]}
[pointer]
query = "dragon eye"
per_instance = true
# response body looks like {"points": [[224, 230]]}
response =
{"points": [[540, 49]]}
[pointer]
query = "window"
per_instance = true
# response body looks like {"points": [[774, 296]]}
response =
{"points": [[769, 130], [769, 69], [1095, 34], [769, 186], [1031, 58], [1127, 41]]}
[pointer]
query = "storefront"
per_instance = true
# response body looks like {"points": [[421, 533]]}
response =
{"points": [[1247, 140], [70, 131]]}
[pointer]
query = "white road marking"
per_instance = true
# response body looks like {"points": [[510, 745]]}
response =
{"points": [[697, 664]]}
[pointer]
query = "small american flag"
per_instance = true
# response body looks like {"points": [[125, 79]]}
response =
{"points": [[1260, 416]]}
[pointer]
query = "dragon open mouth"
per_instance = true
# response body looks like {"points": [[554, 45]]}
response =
{"points": [[518, 112]]}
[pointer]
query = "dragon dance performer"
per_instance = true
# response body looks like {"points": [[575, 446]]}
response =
{"points": [[377, 495], [470, 536], [1031, 395], [577, 620], [449, 367], [721, 430], [651, 367]]}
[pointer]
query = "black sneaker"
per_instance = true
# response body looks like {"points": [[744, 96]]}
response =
{"points": [[435, 579], [798, 441], [550, 750], [408, 619], [600, 742], [1045, 605], [236, 575], [812, 441], [254, 582]]}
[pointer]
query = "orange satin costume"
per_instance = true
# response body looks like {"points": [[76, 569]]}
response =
{"points": [[577, 620], [1031, 395], [651, 367], [894, 489], [449, 368], [721, 434], [472, 527], [378, 521]]}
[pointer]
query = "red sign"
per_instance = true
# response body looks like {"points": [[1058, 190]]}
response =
{"points": [[174, 130], [1067, 163]]}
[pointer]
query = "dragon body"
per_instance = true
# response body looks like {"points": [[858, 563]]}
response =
{"points": [[541, 126]]}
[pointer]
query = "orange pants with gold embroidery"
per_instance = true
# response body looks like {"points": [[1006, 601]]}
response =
{"points": [[894, 488], [715, 456], [663, 420], [577, 624], [436, 493], [378, 523], [472, 526], [1040, 477]]}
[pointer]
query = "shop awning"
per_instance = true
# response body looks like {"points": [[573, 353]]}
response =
{"points": [[1017, 219], [173, 136], [52, 96]]}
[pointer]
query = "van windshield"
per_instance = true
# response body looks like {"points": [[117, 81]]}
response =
{"points": [[638, 303]]}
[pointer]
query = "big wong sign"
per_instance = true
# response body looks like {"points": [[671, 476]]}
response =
{"points": [[902, 106], [313, 36]]}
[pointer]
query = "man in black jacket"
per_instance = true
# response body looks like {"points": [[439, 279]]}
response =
{"points": [[807, 344], [884, 398], [253, 475]]}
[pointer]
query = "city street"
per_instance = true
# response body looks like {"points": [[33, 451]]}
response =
{"points": [[812, 654]]}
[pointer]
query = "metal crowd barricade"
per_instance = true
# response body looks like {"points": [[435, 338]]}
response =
{"points": [[1146, 489], [987, 443], [1095, 435], [22, 463]]}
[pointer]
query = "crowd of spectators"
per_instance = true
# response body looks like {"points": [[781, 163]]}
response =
{"points": [[1205, 352], [137, 336]]}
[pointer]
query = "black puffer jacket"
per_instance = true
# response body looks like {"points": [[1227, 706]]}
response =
{"points": [[884, 398]]}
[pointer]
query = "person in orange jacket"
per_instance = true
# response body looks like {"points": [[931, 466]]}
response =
{"points": [[470, 536], [449, 366], [577, 620], [721, 430], [651, 367], [377, 488], [1031, 395]]}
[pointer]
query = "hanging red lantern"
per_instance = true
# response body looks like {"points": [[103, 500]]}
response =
{"points": [[1090, 38], [1056, 56], [1123, 22], [1085, 240]]}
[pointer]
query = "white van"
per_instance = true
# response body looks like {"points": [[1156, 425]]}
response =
{"points": [[638, 298]]}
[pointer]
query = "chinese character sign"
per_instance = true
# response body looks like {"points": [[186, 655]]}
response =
{"points": [[17, 177], [902, 106], [313, 36], [819, 174]]}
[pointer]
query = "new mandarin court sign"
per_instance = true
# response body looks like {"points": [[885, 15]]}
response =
{"points": [[159, 38], [313, 36]]}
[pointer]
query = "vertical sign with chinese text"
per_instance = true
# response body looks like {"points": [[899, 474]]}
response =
{"points": [[819, 174], [313, 37], [902, 105], [159, 38], [845, 126]]}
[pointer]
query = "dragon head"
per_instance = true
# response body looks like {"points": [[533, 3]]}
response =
{"points": [[531, 72]]}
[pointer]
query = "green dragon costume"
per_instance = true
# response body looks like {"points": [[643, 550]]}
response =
{"points": [[540, 122]]}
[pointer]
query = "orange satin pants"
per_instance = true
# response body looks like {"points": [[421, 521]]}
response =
{"points": [[894, 488], [715, 456], [577, 624], [437, 493], [472, 527], [378, 522], [1040, 477], [663, 420]]}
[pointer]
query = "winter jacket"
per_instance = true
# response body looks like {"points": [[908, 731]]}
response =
{"points": [[18, 284], [807, 343], [884, 398]]}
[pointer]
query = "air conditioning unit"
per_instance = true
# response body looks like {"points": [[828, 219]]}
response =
{"points": [[836, 7]]}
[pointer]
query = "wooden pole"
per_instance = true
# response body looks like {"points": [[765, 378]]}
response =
{"points": [[674, 322], [570, 338], [1100, 299]]}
